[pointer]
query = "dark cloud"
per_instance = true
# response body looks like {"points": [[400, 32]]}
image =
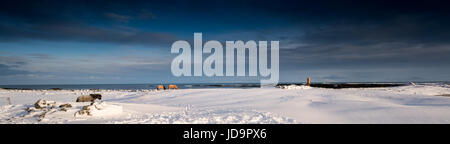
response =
{"points": [[73, 32], [118, 17], [328, 36], [141, 15], [409, 29], [320, 21], [400, 41], [13, 61], [41, 56], [77, 21], [6, 70]]}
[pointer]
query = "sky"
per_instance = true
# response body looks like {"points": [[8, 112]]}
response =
{"points": [[121, 42]]}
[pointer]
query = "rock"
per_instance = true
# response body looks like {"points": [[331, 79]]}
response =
{"points": [[88, 107], [44, 104], [30, 109], [42, 115], [295, 87], [85, 110], [99, 109], [446, 95], [65, 106]]}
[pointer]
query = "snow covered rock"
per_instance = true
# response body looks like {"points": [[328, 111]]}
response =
{"points": [[64, 107], [99, 109], [295, 87], [42, 108], [41, 103]]}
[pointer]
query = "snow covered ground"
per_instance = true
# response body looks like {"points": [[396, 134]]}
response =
{"points": [[406, 104]]}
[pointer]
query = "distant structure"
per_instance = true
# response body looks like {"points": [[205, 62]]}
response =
{"points": [[308, 81]]}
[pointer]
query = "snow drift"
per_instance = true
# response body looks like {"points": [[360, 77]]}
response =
{"points": [[420, 103]]}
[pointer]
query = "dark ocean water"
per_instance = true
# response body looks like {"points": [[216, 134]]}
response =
{"points": [[128, 86], [185, 86]]}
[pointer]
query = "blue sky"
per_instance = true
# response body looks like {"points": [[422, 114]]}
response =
{"points": [[101, 42]]}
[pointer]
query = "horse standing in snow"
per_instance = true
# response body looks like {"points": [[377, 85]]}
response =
{"points": [[89, 98], [161, 87], [172, 87]]}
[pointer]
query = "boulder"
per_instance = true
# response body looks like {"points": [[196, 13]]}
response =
{"points": [[44, 104]]}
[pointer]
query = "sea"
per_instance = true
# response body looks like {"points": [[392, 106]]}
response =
{"points": [[188, 86]]}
